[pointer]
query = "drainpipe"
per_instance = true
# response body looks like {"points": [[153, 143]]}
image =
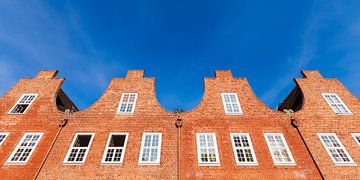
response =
{"points": [[178, 125], [61, 125], [294, 124]]}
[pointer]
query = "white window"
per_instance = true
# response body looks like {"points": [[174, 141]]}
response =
{"points": [[79, 148], [115, 148], [279, 149], [356, 136], [150, 149], [3, 136], [24, 148], [243, 149], [207, 149], [336, 104], [231, 103], [127, 103], [335, 149], [23, 104]]}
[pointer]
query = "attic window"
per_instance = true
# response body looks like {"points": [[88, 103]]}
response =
{"points": [[23, 104]]}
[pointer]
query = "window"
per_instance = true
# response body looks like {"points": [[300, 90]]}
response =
{"points": [[150, 148], [279, 149], [356, 136], [127, 103], [115, 148], [243, 149], [79, 148], [24, 148], [3, 136], [336, 104], [23, 104], [207, 149], [231, 103], [335, 149]]}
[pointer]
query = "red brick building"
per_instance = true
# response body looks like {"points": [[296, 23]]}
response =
{"points": [[127, 134]]}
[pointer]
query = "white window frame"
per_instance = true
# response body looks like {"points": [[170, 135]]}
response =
{"points": [[277, 163], [123, 148], [157, 162], [18, 146], [6, 134], [237, 101], [354, 136], [341, 102], [200, 163], [350, 163], [255, 163], [19, 100], [127, 104], [71, 147]]}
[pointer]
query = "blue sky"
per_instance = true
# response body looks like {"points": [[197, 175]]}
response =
{"points": [[179, 43]]}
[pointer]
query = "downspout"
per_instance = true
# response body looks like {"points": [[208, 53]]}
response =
{"points": [[178, 125], [294, 124], [61, 125]]}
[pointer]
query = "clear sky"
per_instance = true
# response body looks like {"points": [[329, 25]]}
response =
{"points": [[179, 43]]}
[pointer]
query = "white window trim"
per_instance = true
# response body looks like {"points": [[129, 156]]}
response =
{"points": [[9, 162], [121, 99], [276, 163], [157, 162], [200, 163], [354, 136], [71, 145], [17, 102], [255, 163], [6, 135], [351, 163], [107, 147], [342, 102], [238, 102]]}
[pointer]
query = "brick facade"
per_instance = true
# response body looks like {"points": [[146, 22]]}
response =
{"points": [[178, 157]]}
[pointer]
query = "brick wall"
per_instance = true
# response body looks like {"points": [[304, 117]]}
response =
{"points": [[316, 116], [101, 118]]}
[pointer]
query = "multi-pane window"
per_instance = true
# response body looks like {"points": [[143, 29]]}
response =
{"points": [[356, 136], [279, 149], [3, 136], [243, 149], [207, 149], [115, 148], [127, 103], [150, 148], [79, 148], [23, 104], [231, 103], [335, 149], [24, 148], [336, 104]]}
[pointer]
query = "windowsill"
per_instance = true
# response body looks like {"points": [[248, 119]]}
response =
{"points": [[209, 164], [15, 163], [345, 164], [343, 114], [15, 113], [247, 164], [126, 114], [234, 114], [72, 163], [111, 164], [148, 164]]}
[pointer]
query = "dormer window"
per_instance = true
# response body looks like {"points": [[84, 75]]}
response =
{"points": [[23, 104], [127, 103], [336, 104], [231, 103]]}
